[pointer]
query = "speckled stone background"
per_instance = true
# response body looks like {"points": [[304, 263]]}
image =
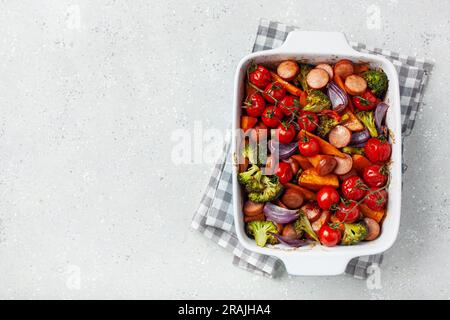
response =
{"points": [[91, 204]]}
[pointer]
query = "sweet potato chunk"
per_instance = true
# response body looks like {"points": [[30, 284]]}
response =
{"points": [[369, 213], [302, 161], [312, 180]]}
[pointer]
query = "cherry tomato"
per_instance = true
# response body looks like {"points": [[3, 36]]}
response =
{"points": [[260, 77], [284, 172], [308, 146], [289, 105], [348, 212], [378, 149], [327, 198], [255, 105], [275, 90], [308, 121], [375, 175], [353, 188], [329, 236], [272, 116], [260, 130], [377, 200], [286, 133], [366, 101]]}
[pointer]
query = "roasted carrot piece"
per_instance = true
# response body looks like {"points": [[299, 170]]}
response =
{"points": [[339, 82], [312, 180], [288, 86], [302, 161], [325, 146], [307, 194], [360, 162], [373, 214], [303, 101], [259, 217]]}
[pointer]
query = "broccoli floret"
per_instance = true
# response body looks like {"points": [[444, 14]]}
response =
{"points": [[252, 179], [377, 81], [326, 123], [254, 156], [300, 80], [303, 225], [353, 150], [271, 191], [354, 233], [262, 232], [367, 117], [317, 101]]}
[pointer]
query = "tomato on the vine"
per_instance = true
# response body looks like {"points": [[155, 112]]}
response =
{"points": [[329, 236], [284, 172], [275, 90], [272, 116], [348, 212], [366, 101], [375, 175], [255, 105], [378, 149], [308, 121], [259, 76], [289, 105], [285, 132], [327, 198], [308, 146], [376, 200], [353, 188]]}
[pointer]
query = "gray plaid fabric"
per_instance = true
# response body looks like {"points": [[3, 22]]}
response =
{"points": [[214, 217]]}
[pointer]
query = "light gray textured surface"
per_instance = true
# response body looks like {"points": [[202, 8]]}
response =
{"points": [[91, 205]]}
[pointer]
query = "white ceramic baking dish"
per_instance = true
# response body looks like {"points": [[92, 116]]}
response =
{"points": [[317, 47]]}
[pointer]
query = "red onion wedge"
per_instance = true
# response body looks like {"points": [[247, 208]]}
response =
{"points": [[360, 137], [285, 150], [338, 97], [380, 114], [292, 242], [278, 214]]}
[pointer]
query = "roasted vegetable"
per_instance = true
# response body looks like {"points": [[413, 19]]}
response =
{"points": [[262, 232], [317, 101], [377, 81], [252, 179], [368, 119], [326, 124], [272, 189], [254, 155], [354, 233], [353, 150], [300, 80], [303, 225]]}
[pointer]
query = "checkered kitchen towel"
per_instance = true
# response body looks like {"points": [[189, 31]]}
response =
{"points": [[214, 217]]}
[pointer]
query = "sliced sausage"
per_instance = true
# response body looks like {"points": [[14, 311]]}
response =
{"points": [[355, 85], [258, 217], [288, 70], [324, 218], [340, 136], [326, 165], [374, 229], [317, 78], [351, 173], [312, 211], [293, 199], [343, 68], [252, 208], [327, 68], [289, 231], [344, 165]]}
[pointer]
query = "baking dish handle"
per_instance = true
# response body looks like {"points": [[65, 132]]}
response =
{"points": [[317, 265], [317, 42]]}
